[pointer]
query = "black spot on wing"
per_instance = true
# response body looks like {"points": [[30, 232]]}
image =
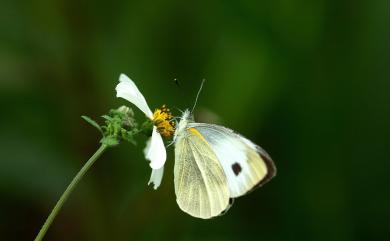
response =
{"points": [[236, 168]]}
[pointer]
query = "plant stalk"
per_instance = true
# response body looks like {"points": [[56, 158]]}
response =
{"points": [[68, 191]]}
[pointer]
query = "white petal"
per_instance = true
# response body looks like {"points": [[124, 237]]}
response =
{"points": [[155, 150], [156, 177], [129, 91]]}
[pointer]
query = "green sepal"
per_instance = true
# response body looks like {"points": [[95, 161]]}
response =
{"points": [[129, 135], [92, 123], [106, 117]]}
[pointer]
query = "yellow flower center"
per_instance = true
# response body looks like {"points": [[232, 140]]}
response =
{"points": [[162, 119]]}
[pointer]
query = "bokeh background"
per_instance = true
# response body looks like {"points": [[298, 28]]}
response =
{"points": [[309, 81]]}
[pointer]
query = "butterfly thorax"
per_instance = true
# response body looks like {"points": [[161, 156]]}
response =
{"points": [[183, 123]]}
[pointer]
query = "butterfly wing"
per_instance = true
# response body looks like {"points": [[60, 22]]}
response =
{"points": [[200, 183], [245, 164]]}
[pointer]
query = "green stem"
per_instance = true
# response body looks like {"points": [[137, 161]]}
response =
{"points": [[68, 191]]}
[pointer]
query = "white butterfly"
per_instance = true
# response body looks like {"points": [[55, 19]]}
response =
{"points": [[213, 164]]}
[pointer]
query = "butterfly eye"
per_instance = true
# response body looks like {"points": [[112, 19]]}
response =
{"points": [[236, 168]]}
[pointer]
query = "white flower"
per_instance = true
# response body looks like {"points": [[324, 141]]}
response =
{"points": [[155, 150]]}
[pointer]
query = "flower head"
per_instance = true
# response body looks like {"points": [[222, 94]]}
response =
{"points": [[162, 119]]}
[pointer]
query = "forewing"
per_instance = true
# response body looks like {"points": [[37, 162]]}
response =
{"points": [[245, 164], [200, 183]]}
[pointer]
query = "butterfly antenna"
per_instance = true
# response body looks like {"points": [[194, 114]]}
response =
{"points": [[197, 95]]}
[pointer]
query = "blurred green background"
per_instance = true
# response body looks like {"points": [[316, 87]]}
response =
{"points": [[309, 81]]}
